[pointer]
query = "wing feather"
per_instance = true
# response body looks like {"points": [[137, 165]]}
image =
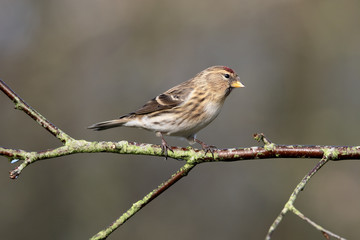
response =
{"points": [[172, 98]]}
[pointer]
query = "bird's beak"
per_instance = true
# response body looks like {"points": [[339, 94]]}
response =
{"points": [[236, 84]]}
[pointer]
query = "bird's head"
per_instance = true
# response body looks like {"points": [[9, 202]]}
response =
{"points": [[221, 79]]}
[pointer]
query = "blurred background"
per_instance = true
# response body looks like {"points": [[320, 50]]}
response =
{"points": [[81, 62]]}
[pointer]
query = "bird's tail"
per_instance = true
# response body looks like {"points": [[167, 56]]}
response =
{"points": [[108, 124]]}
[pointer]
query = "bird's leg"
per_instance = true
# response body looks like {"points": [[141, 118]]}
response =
{"points": [[164, 146], [206, 147]]}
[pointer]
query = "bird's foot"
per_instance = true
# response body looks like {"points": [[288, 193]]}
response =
{"points": [[206, 148], [165, 147]]}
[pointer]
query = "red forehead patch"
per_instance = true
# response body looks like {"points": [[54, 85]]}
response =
{"points": [[228, 69]]}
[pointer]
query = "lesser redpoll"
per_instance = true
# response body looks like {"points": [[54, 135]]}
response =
{"points": [[184, 109]]}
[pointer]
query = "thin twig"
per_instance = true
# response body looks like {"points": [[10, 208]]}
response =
{"points": [[143, 202], [289, 206], [322, 230], [22, 105]]}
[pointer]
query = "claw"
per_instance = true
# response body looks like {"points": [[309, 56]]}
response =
{"points": [[206, 148], [164, 147]]}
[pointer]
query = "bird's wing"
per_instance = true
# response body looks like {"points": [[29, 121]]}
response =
{"points": [[170, 99]]}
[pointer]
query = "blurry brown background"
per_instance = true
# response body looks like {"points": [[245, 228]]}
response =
{"points": [[80, 62]]}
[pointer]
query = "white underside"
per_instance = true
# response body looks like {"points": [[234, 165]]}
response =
{"points": [[171, 126]]}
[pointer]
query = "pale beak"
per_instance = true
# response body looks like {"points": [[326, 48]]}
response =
{"points": [[236, 84]]}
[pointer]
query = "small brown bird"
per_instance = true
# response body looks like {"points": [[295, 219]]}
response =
{"points": [[184, 109]]}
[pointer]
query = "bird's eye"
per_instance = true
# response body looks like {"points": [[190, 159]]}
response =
{"points": [[226, 75]]}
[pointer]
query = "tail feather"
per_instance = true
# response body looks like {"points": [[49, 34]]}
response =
{"points": [[108, 124]]}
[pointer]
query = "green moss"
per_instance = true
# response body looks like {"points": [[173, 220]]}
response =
{"points": [[270, 147], [331, 153], [150, 150], [259, 154]]}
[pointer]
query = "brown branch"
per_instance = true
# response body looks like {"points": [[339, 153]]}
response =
{"points": [[188, 154], [22, 105]]}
